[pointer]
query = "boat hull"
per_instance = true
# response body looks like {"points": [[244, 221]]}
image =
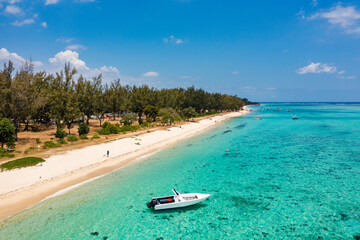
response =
{"points": [[182, 203]]}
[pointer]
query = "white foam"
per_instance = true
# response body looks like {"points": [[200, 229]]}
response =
{"points": [[63, 191]]}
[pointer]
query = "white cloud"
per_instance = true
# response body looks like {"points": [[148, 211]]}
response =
{"points": [[50, 2], [84, 1], [65, 40], [314, 3], [23, 22], [301, 14], [317, 68], [185, 77], [173, 40], [12, 9], [58, 61], [109, 69], [18, 61], [68, 56], [14, 1], [235, 72], [56, 64], [76, 47], [150, 74], [341, 72], [271, 89], [347, 18], [249, 88], [285, 50], [347, 77], [44, 24]]}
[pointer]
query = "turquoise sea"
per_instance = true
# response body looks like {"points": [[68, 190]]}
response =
{"points": [[280, 179]]}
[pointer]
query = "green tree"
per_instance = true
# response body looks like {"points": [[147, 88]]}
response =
{"points": [[128, 118], [7, 133], [169, 115], [151, 111], [64, 104], [83, 129], [60, 133], [189, 112], [140, 97]]}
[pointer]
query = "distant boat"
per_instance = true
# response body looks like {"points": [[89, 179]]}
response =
{"points": [[289, 110], [295, 117], [176, 201], [257, 118]]}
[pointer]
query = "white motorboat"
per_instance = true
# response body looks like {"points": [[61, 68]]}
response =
{"points": [[176, 201], [295, 117]]}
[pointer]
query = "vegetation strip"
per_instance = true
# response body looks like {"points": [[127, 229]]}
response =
{"points": [[21, 163]]}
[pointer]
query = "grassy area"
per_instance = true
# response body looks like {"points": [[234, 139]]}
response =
{"points": [[4, 153], [21, 162]]}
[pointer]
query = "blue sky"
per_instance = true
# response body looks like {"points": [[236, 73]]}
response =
{"points": [[304, 50]]}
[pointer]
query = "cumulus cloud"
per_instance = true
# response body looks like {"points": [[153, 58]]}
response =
{"points": [[18, 61], [44, 24], [150, 74], [56, 64], [347, 18], [23, 22], [69, 56], [317, 68], [12, 9], [76, 47], [173, 40], [50, 2], [235, 72], [58, 61]]}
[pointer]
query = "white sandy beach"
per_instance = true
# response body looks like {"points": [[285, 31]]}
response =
{"points": [[21, 188]]}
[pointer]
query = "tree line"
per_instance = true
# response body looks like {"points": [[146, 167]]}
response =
{"points": [[64, 97]]}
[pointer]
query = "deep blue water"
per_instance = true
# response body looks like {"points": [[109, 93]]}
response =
{"points": [[280, 179]]}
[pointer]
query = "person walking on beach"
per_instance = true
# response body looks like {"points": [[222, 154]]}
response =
{"points": [[107, 153]]}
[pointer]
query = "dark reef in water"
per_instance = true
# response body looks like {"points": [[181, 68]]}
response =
{"points": [[94, 233], [227, 131], [212, 136], [248, 203], [240, 126]]}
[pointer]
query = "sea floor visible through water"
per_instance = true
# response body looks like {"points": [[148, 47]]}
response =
{"points": [[280, 179]]}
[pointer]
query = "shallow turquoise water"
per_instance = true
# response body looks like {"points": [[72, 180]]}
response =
{"points": [[281, 179]]}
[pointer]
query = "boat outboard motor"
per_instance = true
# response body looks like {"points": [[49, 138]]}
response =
{"points": [[152, 203]]}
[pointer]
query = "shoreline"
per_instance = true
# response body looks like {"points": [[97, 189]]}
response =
{"points": [[60, 173]]}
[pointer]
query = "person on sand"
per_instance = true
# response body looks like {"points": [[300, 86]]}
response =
{"points": [[107, 153]]}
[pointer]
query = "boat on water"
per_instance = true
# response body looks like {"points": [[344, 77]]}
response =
{"points": [[295, 117], [257, 118], [176, 201], [289, 110]]}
